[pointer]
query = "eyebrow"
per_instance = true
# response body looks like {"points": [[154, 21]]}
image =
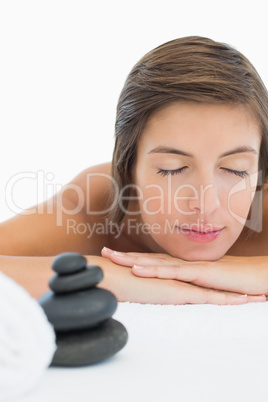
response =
{"points": [[169, 150]]}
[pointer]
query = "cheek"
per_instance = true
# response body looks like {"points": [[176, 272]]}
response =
{"points": [[154, 200], [163, 203], [239, 200]]}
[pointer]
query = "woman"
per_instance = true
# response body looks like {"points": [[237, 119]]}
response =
{"points": [[184, 202]]}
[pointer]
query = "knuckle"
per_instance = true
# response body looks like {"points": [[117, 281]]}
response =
{"points": [[161, 259], [215, 297], [175, 272], [226, 299], [206, 296]]}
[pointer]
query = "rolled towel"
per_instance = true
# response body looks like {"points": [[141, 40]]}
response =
{"points": [[27, 340]]}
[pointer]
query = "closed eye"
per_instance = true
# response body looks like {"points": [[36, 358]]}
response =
{"points": [[164, 172], [240, 173]]}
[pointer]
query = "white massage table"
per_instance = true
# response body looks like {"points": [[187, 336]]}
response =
{"points": [[197, 353]]}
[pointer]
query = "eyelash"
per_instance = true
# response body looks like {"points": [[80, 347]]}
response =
{"points": [[162, 172], [240, 173], [171, 172]]}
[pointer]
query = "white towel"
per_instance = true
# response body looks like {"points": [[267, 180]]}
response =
{"points": [[27, 340]]}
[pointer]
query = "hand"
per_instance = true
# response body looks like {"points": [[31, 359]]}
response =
{"points": [[226, 281]]}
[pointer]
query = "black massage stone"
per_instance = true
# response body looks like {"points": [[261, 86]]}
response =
{"points": [[86, 278], [68, 263], [77, 310], [81, 313], [86, 347]]}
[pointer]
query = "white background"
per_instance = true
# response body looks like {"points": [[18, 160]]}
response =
{"points": [[62, 67]]}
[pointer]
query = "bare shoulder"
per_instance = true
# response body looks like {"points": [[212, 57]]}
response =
{"points": [[91, 188], [102, 171], [63, 223]]}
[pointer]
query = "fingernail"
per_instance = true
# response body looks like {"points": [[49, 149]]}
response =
{"points": [[119, 254], [138, 266], [242, 296], [107, 250]]}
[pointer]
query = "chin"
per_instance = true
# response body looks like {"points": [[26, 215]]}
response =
{"points": [[195, 251], [199, 255]]}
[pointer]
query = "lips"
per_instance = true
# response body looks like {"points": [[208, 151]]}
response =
{"points": [[199, 228], [200, 231], [202, 235]]}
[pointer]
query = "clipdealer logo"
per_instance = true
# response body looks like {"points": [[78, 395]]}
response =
{"points": [[169, 199]]}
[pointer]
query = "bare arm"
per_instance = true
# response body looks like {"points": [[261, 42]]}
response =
{"points": [[33, 273]]}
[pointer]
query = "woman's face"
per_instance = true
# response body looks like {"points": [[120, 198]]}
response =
{"points": [[196, 175]]}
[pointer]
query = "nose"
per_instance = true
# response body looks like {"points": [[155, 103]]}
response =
{"points": [[206, 200]]}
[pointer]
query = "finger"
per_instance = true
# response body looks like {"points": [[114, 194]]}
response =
{"points": [[186, 293], [222, 275], [256, 299], [130, 259], [106, 252], [177, 272], [117, 257], [212, 296], [189, 275]]}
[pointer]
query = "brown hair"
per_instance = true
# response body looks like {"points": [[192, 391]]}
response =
{"points": [[190, 69]]}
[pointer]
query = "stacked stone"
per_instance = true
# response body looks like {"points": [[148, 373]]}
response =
{"points": [[81, 312]]}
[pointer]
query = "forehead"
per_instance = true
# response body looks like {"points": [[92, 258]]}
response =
{"points": [[194, 124]]}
